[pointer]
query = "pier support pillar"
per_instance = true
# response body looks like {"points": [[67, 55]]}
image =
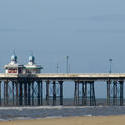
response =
{"points": [[38, 96], [25, 93], [47, 92], [32, 93], [54, 93], [76, 93], [84, 93], [61, 92], [5, 92], [7, 96], [29, 93], [0, 94], [41, 88], [115, 93], [108, 92], [92, 94], [13, 95], [20, 94], [121, 93], [17, 93]]}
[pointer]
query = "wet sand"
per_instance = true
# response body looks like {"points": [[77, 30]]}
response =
{"points": [[92, 120]]}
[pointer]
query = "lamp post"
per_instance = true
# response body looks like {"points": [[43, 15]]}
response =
{"points": [[57, 68], [67, 64], [110, 65]]}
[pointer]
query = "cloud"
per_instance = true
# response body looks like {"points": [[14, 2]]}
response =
{"points": [[101, 30], [14, 30], [108, 17]]}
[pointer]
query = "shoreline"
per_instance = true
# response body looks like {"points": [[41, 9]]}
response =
{"points": [[50, 112], [51, 107]]}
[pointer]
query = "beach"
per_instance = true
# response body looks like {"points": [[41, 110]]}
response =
{"points": [[86, 120], [63, 115]]}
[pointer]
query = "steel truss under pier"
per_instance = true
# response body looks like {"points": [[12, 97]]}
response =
{"points": [[29, 92], [21, 92], [84, 94], [115, 92], [54, 91]]}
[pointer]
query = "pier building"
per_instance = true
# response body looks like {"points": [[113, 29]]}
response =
{"points": [[14, 68], [31, 67]]}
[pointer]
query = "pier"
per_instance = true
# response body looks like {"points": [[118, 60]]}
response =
{"points": [[27, 89]]}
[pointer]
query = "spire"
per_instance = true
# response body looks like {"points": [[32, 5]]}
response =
{"points": [[14, 57], [31, 59]]}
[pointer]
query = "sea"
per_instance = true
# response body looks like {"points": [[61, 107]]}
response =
{"points": [[68, 110]]}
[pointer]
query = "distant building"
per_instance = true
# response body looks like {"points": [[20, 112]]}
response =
{"points": [[14, 68]]}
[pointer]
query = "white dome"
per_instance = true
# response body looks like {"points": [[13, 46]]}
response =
{"points": [[14, 58], [31, 60]]}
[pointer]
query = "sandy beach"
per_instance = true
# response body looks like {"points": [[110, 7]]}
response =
{"points": [[100, 120]]}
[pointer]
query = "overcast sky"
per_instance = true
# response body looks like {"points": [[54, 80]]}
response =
{"points": [[89, 31]]}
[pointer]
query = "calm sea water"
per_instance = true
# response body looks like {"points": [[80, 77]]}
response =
{"points": [[15, 113]]}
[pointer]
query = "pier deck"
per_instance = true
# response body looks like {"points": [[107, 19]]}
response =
{"points": [[69, 76]]}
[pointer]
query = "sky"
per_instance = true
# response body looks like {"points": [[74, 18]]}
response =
{"points": [[88, 31]]}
